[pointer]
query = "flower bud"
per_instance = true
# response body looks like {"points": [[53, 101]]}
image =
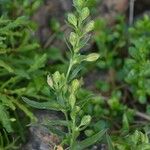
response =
{"points": [[77, 109], [89, 27], [72, 100], [78, 3], [49, 81], [73, 38], [84, 13], [85, 120], [75, 85], [72, 19], [56, 77], [92, 57]]}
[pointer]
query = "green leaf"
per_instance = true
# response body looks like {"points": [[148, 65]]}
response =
{"points": [[143, 147], [42, 105], [7, 101], [56, 77], [133, 52], [72, 100], [29, 47], [89, 141], [75, 72], [22, 73], [39, 62], [109, 142], [57, 131], [90, 26], [85, 120], [6, 66], [4, 119], [92, 57], [84, 13], [50, 81], [78, 3], [72, 19], [73, 38], [75, 85], [25, 110], [125, 122]]}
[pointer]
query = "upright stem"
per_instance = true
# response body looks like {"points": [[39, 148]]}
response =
{"points": [[69, 69], [67, 119], [78, 36], [77, 31], [73, 133]]}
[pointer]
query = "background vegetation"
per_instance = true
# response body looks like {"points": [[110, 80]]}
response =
{"points": [[116, 86]]}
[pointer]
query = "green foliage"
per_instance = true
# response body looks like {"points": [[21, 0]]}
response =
{"points": [[137, 140], [89, 141], [20, 63], [110, 41], [138, 64], [16, 8], [124, 78], [140, 28], [110, 113], [6, 143], [64, 87]]}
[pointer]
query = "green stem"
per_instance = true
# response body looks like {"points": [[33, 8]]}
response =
{"points": [[69, 68], [67, 119], [72, 140], [11, 80]]}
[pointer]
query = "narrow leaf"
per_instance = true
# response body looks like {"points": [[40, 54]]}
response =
{"points": [[109, 142], [6, 66], [57, 131], [89, 141], [6, 101], [42, 105], [25, 110], [4, 119], [39, 62]]}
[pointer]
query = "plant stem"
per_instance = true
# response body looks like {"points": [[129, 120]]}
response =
{"points": [[73, 133], [67, 119], [69, 69]]}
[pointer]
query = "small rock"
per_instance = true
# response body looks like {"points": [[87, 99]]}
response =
{"points": [[39, 137]]}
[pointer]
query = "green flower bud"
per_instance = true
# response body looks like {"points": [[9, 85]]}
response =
{"points": [[85, 120], [72, 100], [143, 138], [75, 85], [78, 3], [12, 119], [56, 77], [49, 81], [77, 109], [84, 13], [89, 27], [72, 19], [73, 38], [89, 132], [135, 137], [92, 57]]}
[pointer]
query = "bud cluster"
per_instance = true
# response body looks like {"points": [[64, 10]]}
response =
{"points": [[66, 87], [80, 35]]}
